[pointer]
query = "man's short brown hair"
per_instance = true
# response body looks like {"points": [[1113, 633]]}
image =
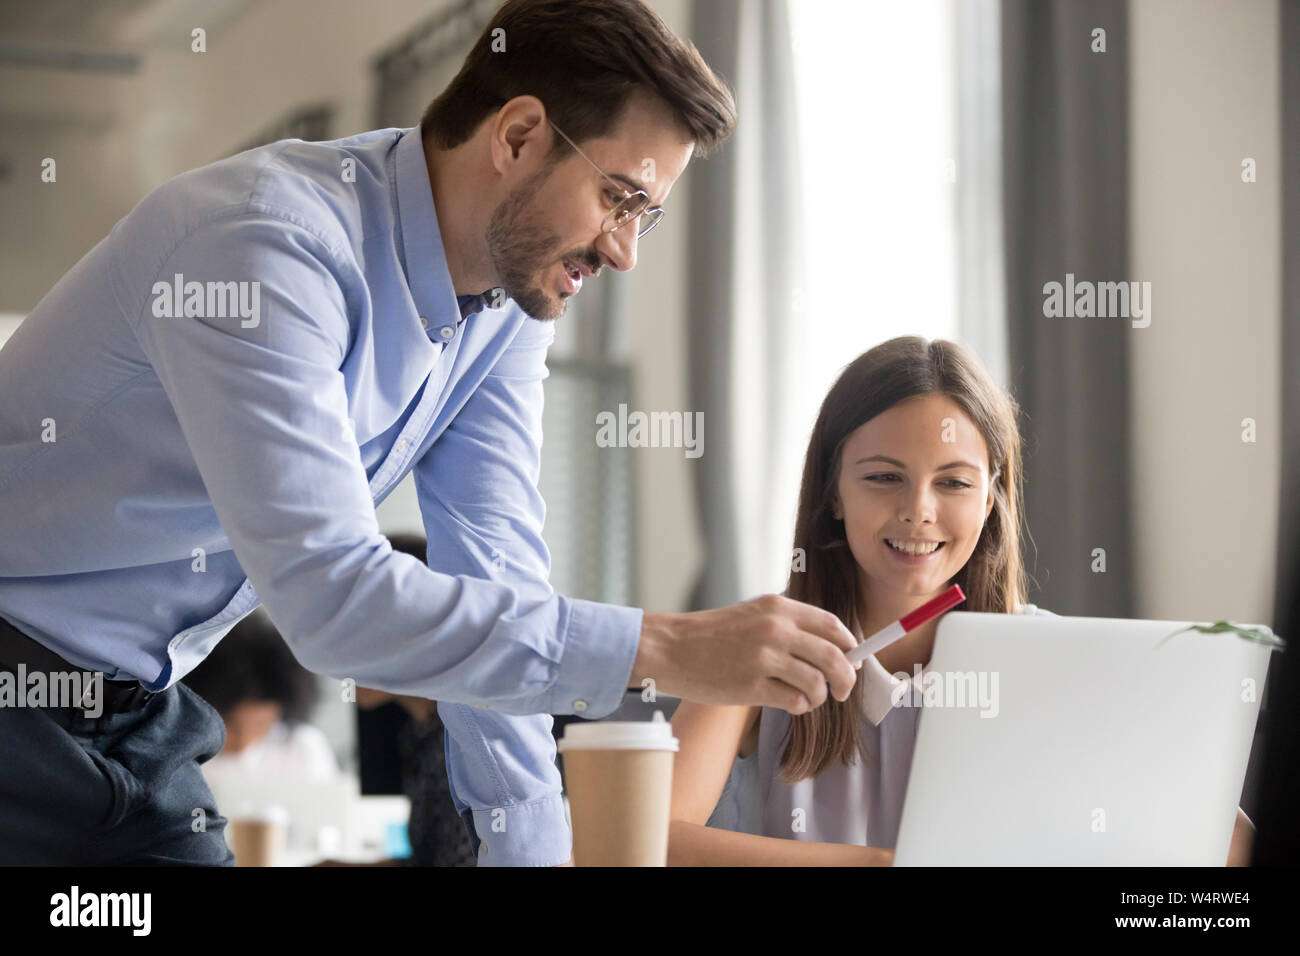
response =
{"points": [[582, 59]]}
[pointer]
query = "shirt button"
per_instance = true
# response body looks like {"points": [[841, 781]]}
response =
{"points": [[579, 705], [401, 444], [446, 331], [424, 322]]}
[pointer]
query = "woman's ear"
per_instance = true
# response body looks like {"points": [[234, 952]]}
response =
{"points": [[836, 509]]}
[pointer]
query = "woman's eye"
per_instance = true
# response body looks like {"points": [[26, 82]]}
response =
{"points": [[953, 483], [612, 197]]}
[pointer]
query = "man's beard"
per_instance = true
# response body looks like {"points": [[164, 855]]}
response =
{"points": [[520, 246]]}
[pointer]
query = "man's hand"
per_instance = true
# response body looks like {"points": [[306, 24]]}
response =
{"points": [[772, 651]]}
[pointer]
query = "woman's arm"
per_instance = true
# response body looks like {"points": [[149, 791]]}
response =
{"points": [[693, 844], [1243, 840], [708, 743]]}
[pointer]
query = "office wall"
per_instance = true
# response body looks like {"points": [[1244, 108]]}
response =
{"points": [[127, 134], [1205, 78]]}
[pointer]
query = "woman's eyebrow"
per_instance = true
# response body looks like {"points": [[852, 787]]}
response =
{"points": [[896, 462]]}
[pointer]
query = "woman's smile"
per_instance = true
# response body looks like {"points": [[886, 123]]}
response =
{"points": [[913, 552]]}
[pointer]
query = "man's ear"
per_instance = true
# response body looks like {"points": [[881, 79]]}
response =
{"points": [[521, 137]]}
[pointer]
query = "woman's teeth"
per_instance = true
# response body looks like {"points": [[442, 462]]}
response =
{"points": [[914, 547]]}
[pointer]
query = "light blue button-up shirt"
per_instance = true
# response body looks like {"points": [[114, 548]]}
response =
{"points": [[203, 413]]}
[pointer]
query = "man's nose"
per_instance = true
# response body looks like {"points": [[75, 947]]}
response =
{"points": [[618, 248]]}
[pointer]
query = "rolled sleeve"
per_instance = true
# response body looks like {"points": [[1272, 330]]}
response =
{"points": [[504, 780], [506, 786], [535, 834]]}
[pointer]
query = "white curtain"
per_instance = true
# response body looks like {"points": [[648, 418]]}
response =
{"points": [[849, 207]]}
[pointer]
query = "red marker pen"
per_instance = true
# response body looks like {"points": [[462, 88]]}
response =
{"points": [[928, 611]]}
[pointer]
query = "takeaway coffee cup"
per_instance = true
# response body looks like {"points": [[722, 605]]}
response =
{"points": [[619, 777], [258, 839]]}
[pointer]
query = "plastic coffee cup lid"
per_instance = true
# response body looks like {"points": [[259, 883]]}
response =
{"points": [[656, 734]]}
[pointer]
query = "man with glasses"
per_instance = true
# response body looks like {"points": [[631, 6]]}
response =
{"points": [[203, 413]]}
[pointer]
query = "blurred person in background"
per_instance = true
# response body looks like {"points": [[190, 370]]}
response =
{"points": [[265, 698], [436, 831]]}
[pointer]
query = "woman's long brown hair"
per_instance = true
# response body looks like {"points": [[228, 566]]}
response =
{"points": [[993, 578]]}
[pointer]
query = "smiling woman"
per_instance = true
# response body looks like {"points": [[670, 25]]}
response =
{"points": [[911, 483], [915, 450]]}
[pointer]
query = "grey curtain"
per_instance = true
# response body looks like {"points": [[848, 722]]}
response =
{"points": [[1065, 187], [745, 201]]}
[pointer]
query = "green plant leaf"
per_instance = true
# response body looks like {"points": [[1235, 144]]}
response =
{"points": [[1257, 635]]}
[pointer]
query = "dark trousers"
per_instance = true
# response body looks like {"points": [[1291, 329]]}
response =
{"points": [[126, 790]]}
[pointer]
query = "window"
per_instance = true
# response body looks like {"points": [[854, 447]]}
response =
{"points": [[876, 98]]}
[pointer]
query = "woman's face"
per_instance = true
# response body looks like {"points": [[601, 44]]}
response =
{"points": [[914, 477]]}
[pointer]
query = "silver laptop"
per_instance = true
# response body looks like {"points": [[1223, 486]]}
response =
{"points": [[1072, 741]]}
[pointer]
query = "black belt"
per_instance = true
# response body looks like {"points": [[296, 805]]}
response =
{"points": [[116, 696]]}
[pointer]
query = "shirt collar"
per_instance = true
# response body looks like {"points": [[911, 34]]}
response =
{"points": [[423, 254], [470, 304], [878, 688]]}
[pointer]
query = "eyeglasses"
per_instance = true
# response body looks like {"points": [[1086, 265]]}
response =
{"points": [[633, 206]]}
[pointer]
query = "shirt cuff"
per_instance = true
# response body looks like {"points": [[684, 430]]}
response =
{"points": [[529, 834], [600, 645]]}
